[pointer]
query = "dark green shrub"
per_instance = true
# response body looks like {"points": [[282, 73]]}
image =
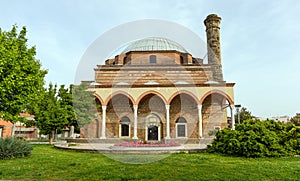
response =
{"points": [[255, 138], [13, 148]]}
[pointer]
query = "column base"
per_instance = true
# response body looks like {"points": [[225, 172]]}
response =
{"points": [[167, 137], [102, 138], [135, 138]]}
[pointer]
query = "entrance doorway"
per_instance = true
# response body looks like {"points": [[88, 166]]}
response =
{"points": [[153, 133], [153, 128]]}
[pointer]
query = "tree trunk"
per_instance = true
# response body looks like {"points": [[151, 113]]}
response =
{"points": [[51, 136]]}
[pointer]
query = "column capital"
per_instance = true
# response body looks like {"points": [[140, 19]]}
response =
{"points": [[199, 107], [104, 107], [135, 106], [167, 106]]}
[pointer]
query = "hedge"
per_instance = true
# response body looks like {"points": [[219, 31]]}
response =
{"points": [[254, 138]]}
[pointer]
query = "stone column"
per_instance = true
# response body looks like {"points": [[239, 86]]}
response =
{"points": [[72, 135], [168, 122], [103, 135], [200, 120], [99, 123], [232, 117], [13, 130], [135, 109]]}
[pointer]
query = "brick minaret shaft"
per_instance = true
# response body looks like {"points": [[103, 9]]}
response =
{"points": [[212, 23]]}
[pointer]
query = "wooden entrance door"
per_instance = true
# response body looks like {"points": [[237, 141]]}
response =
{"points": [[152, 133]]}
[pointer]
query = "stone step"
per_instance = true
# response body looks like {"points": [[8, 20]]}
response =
{"points": [[204, 141]]}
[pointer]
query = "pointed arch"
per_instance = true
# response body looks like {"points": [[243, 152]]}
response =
{"points": [[231, 102], [183, 92], [99, 98], [119, 93], [151, 92]]}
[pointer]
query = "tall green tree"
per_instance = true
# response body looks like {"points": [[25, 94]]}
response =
{"points": [[51, 113], [296, 119], [244, 115], [84, 104], [65, 99], [21, 76]]}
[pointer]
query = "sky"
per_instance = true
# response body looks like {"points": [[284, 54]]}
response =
{"points": [[260, 40]]}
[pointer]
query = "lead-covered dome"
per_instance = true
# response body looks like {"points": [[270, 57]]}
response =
{"points": [[153, 44]]}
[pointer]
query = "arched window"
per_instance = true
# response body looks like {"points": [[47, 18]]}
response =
{"points": [[181, 60], [181, 128], [124, 127], [152, 59]]}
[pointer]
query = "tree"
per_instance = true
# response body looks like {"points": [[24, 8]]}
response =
{"points": [[244, 115], [84, 104], [51, 113], [21, 76], [66, 101], [57, 108], [296, 119]]}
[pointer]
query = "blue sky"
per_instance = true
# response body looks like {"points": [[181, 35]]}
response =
{"points": [[259, 40]]}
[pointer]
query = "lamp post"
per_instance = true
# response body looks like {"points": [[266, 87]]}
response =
{"points": [[237, 106]]}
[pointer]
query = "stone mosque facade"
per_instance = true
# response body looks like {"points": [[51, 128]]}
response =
{"points": [[155, 90]]}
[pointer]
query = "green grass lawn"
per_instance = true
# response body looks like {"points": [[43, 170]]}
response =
{"points": [[48, 163]]}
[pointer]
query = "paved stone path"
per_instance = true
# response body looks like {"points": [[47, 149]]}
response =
{"points": [[110, 148]]}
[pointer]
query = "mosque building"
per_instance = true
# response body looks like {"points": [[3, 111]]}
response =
{"points": [[155, 90]]}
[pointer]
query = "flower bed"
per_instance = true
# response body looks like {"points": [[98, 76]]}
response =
{"points": [[149, 144]]}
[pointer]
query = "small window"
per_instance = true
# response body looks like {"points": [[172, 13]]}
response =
{"points": [[124, 130], [217, 128], [181, 127], [181, 60], [180, 130], [126, 61], [152, 59], [125, 127]]}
